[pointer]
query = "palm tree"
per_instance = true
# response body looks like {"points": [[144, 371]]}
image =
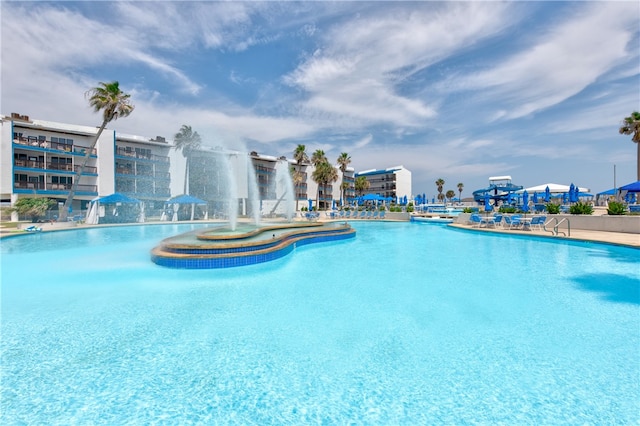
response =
{"points": [[343, 161], [113, 103], [460, 187], [361, 184], [631, 126], [300, 155], [323, 174], [450, 194], [187, 141], [440, 184], [318, 157]]}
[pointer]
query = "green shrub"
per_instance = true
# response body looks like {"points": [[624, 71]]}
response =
{"points": [[507, 209], [467, 210], [616, 208], [553, 208], [581, 208]]}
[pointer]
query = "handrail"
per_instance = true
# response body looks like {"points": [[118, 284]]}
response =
{"points": [[555, 230], [568, 227], [544, 225]]}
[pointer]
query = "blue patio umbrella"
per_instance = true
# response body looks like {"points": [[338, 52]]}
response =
{"points": [[547, 194], [310, 204], [630, 198], [572, 194], [424, 198], [525, 201], [534, 198], [564, 198], [487, 206]]}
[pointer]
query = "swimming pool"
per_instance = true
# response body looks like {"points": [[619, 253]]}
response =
{"points": [[408, 323]]}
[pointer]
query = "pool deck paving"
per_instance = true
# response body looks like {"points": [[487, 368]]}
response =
{"points": [[616, 238]]}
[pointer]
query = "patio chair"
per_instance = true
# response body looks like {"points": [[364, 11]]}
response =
{"points": [[512, 222], [375, 215], [363, 214], [537, 222], [382, 214], [497, 219], [475, 220]]}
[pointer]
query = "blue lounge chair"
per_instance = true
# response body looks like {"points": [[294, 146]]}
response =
{"points": [[475, 220], [363, 214], [382, 214], [537, 222], [375, 215], [513, 222]]}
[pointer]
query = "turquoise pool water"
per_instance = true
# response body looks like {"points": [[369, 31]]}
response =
{"points": [[408, 323]]}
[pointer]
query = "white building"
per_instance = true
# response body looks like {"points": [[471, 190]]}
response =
{"points": [[41, 159], [393, 182]]}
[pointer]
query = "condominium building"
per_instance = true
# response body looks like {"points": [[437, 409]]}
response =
{"points": [[393, 182], [41, 159]]}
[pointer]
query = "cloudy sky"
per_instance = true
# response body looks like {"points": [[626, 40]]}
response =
{"points": [[453, 90]]}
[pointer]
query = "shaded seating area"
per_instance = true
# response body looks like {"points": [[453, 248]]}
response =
{"points": [[115, 208], [184, 207]]}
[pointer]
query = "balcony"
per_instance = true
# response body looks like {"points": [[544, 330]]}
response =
{"points": [[33, 142], [64, 167], [42, 186], [130, 153]]}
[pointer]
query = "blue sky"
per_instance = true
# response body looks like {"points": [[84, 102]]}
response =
{"points": [[453, 90]]}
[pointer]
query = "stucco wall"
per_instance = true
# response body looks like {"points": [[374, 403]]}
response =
{"points": [[627, 223]]}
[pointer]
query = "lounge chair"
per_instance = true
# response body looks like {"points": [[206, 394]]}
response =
{"points": [[363, 214], [513, 222], [537, 222], [382, 214], [497, 220], [375, 215], [475, 220]]}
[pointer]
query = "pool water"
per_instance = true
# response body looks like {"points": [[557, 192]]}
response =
{"points": [[408, 323]]}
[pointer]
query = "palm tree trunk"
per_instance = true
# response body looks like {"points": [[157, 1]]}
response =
{"points": [[638, 162], [64, 214], [186, 175]]}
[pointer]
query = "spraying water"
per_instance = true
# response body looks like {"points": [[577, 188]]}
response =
{"points": [[284, 188], [254, 193], [231, 192]]}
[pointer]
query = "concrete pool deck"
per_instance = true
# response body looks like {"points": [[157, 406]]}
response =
{"points": [[618, 238]]}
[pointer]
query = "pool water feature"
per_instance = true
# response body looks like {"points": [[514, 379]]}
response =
{"points": [[406, 324], [226, 247]]}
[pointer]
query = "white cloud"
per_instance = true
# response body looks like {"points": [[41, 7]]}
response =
{"points": [[358, 72], [563, 61]]}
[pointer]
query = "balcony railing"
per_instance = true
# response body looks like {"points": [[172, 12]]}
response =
{"points": [[41, 165], [42, 186], [45, 144], [143, 156]]}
